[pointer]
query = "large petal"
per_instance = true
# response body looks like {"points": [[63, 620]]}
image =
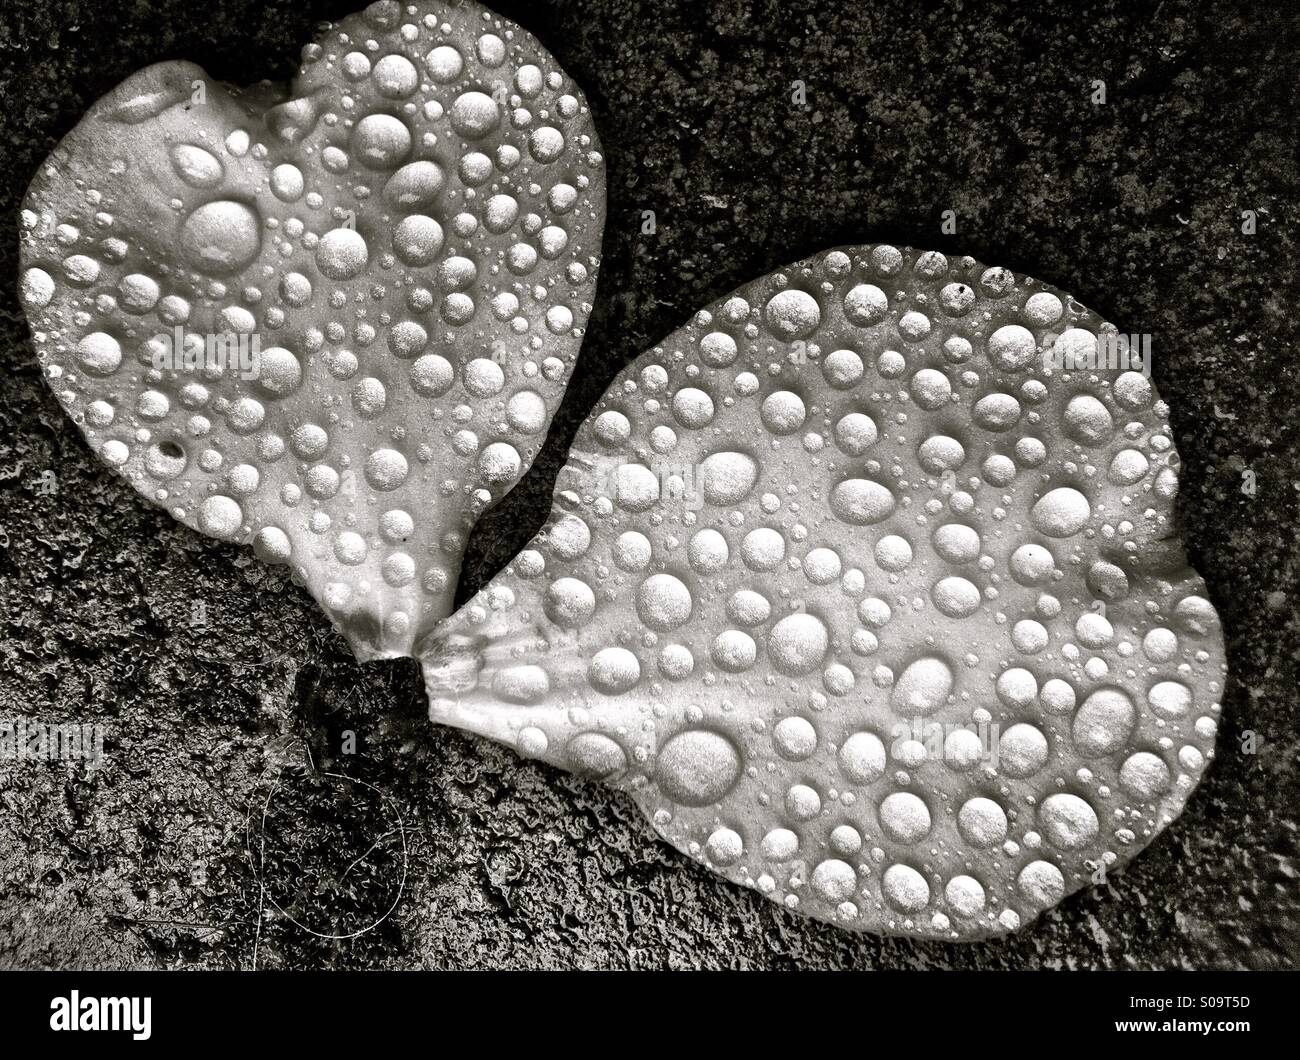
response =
{"points": [[865, 584], [332, 319]]}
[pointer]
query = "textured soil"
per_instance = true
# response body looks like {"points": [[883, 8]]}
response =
{"points": [[226, 829]]}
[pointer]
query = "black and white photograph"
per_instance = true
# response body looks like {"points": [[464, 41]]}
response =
{"points": [[711, 488]]}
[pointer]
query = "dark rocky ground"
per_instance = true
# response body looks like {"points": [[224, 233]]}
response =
{"points": [[983, 109]]}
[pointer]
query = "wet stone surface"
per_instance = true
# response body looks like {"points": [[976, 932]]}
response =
{"points": [[1130, 206]]}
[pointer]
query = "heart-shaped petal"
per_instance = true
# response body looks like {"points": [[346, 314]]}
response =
{"points": [[864, 584], [334, 320]]}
